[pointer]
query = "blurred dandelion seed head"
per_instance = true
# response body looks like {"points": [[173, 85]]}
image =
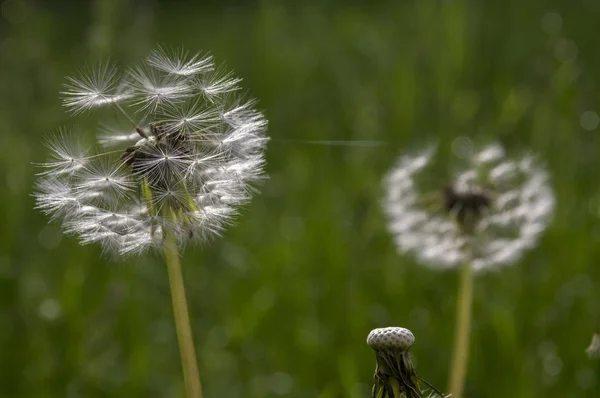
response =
{"points": [[494, 209], [593, 350], [189, 158]]}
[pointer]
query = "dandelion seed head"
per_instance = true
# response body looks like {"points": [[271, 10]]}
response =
{"points": [[493, 210], [593, 350], [191, 155]]}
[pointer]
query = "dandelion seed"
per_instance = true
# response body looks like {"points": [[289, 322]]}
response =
{"points": [[113, 136], [180, 62], [102, 179], [217, 82], [191, 117], [68, 154], [153, 90], [97, 86]]}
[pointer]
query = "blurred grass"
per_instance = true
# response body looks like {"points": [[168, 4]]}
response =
{"points": [[283, 303]]}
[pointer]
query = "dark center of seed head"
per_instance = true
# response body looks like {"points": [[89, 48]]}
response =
{"points": [[467, 207], [142, 159], [167, 141]]}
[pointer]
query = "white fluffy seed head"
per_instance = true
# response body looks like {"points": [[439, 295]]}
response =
{"points": [[518, 204], [188, 158], [390, 339], [593, 350]]}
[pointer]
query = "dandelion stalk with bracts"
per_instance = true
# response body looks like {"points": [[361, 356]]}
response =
{"points": [[395, 375]]}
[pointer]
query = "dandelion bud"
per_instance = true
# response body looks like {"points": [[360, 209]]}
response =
{"points": [[395, 374]]}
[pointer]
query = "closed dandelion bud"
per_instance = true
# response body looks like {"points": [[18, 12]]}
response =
{"points": [[390, 338], [395, 375], [187, 161]]}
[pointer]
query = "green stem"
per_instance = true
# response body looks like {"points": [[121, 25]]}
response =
{"points": [[182, 320], [462, 332]]}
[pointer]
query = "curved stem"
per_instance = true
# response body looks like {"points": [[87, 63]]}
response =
{"points": [[462, 332], [182, 320]]}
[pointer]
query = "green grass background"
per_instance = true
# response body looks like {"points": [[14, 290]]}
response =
{"points": [[282, 304]]}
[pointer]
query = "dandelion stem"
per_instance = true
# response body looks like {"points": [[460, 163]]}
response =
{"points": [[182, 320], [462, 332]]}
